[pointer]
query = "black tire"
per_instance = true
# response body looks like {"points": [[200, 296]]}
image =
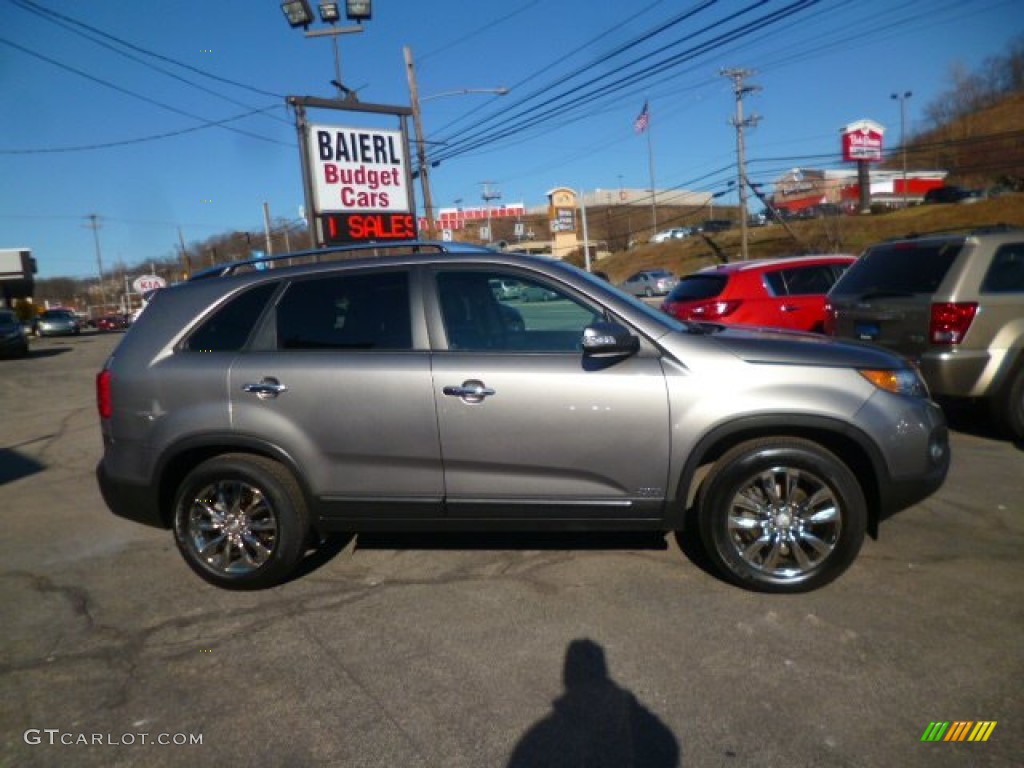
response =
{"points": [[240, 521], [1009, 406], [769, 537]]}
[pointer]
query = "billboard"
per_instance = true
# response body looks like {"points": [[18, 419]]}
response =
{"points": [[360, 184], [862, 140]]}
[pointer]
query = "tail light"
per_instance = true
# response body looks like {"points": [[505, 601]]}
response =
{"points": [[830, 318], [104, 404], [711, 310], [950, 321]]}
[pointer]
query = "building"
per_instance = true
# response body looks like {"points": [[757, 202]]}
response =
{"points": [[803, 188]]}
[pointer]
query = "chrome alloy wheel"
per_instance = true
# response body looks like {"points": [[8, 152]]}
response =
{"points": [[784, 521], [232, 527]]}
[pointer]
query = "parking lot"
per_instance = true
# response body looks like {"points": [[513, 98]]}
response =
{"points": [[489, 650]]}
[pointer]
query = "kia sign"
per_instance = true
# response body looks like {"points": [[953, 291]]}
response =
{"points": [[357, 170], [862, 140], [148, 283]]}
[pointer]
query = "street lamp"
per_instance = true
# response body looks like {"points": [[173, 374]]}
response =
{"points": [[423, 168], [299, 14], [902, 99]]}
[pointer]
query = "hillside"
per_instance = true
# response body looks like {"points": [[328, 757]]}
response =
{"points": [[839, 234]]}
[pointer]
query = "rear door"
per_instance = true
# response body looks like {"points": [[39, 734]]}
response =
{"points": [[798, 295], [529, 427], [337, 379]]}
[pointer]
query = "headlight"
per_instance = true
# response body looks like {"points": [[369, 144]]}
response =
{"points": [[903, 381]]}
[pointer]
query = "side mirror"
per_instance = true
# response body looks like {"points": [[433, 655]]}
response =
{"points": [[609, 340]]}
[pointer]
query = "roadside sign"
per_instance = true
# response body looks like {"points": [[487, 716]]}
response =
{"points": [[357, 170], [148, 283]]}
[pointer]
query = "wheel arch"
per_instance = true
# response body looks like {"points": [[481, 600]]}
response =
{"points": [[850, 444], [176, 463]]}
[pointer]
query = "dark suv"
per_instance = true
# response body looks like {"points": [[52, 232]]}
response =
{"points": [[952, 302], [254, 411]]}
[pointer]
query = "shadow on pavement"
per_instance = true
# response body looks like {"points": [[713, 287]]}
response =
{"points": [[595, 723], [15, 465]]}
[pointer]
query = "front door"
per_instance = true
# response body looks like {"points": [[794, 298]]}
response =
{"points": [[530, 428]]}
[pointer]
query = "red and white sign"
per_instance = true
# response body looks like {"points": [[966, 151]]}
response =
{"points": [[147, 283], [862, 140], [357, 170]]}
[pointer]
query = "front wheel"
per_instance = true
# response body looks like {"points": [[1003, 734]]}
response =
{"points": [[240, 521], [781, 515]]}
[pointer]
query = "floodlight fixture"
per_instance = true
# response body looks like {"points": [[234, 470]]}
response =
{"points": [[330, 13], [358, 10], [298, 12]]}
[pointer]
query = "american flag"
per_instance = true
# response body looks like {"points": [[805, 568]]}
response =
{"points": [[642, 120]]}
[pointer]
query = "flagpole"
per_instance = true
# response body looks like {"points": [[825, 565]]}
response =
{"points": [[654, 193]]}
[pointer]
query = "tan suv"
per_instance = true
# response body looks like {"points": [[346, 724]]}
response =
{"points": [[954, 303]]}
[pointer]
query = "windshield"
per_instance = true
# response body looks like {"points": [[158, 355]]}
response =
{"points": [[901, 268]]}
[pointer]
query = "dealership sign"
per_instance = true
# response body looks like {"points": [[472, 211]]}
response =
{"points": [[360, 184], [147, 283], [862, 140]]}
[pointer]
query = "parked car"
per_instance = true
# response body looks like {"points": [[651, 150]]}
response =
{"points": [[952, 302], [13, 339], [716, 225], [253, 412], [953, 194], [777, 293], [649, 282], [111, 323], [57, 322], [676, 233]]}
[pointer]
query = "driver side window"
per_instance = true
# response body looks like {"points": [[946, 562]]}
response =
{"points": [[494, 311]]}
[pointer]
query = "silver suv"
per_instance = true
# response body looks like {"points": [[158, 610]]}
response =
{"points": [[952, 302], [253, 411]]}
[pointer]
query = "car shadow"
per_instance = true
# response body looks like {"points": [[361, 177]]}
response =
{"points": [[34, 352], [974, 418], [15, 465], [324, 551]]}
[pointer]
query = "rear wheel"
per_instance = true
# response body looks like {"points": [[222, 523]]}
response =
{"points": [[240, 521], [781, 515], [1009, 410]]}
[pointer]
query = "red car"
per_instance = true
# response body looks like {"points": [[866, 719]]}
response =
{"points": [[786, 292], [111, 323]]}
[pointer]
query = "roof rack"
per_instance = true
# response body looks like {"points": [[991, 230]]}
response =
{"points": [[315, 255]]}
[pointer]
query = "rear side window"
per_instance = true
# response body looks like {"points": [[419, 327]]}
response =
{"points": [[1006, 272], [900, 268], [696, 287], [227, 329], [801, 281], [347, 312]]}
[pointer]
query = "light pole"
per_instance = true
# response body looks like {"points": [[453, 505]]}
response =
{"points": [[299, 14], [902, 99], [423, 167]]}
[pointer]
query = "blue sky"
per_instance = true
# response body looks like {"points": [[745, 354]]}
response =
{"points": [[67, 97]]}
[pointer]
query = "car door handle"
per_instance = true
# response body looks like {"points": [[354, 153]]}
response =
{"points": [[789, 307], [266, 388], [471, 391]]}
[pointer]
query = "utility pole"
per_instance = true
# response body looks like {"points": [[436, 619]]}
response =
{"points": [[186, 262], [902, 98], [421, 146], [739, 89], [94, 225], [488, 194]]}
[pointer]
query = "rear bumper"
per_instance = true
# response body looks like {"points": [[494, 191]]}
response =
{"points": [[129, 500], [957, 374]]}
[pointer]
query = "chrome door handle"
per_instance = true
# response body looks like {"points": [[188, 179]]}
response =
{"points": [[265, 389], [789, 307], [471, 391]]}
